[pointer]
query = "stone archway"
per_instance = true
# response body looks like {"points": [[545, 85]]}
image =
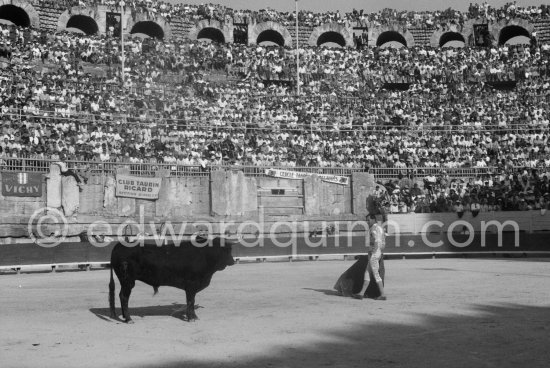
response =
{"points": [[449, 37], [266, 30], [331, 37], [331, 32], [504, 30], [148, 28], [511, 31], [378, 36], [212, 34], [271, 35], [145, 21], [452, 33], [21, 11], [86, 24], [212, 29], [390, 36], [88, 16]]}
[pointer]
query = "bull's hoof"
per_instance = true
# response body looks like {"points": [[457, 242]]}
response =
{"points": [[129, 321], [192, 318]]}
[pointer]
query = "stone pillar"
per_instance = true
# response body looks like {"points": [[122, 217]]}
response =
{"points": [[362, 186], [232, 194], [312, 200], [53, 187]]}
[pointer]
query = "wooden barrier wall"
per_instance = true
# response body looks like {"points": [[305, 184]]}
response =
{"points": [[23, 255], [230, 195]]}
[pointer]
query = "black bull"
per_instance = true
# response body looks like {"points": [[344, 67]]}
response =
{"points": [[187, 265]]}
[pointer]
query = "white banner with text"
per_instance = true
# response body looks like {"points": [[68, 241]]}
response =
{"points": [[137, 187], [336, 179]]}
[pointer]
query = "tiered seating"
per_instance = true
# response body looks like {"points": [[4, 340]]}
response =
{"points": [[304, 32], [49, 15], [421, 36], [181, 27], [542, 27]]}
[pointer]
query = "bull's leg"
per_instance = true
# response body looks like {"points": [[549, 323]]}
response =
{"points": [[112, 296], [191, 315], [125, 292]]}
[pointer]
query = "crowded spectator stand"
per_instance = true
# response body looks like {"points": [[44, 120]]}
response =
{"points": [[186, 103]]}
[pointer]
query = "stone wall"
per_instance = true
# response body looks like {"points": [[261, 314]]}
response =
{"points": [[54, 19], [27, 7], [223, 195]]}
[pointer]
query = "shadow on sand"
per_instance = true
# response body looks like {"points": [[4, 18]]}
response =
{"points": [[175, 310], [504, 335], [324, 291]]}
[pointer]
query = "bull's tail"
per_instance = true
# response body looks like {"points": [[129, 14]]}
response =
{"points": [[112, 294]]}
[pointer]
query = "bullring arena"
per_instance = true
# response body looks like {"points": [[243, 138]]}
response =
{"points": [[443, 312], [280, 132]]}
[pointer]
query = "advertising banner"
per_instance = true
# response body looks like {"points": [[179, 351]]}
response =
{"points": [[21, 184], [137, 187], [336, 179]]}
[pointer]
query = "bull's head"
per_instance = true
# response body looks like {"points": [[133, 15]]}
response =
{"points": [[221, 249], [227, 259]]}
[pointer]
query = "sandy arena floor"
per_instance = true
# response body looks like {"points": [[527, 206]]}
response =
{"points": [[440, 313]]}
